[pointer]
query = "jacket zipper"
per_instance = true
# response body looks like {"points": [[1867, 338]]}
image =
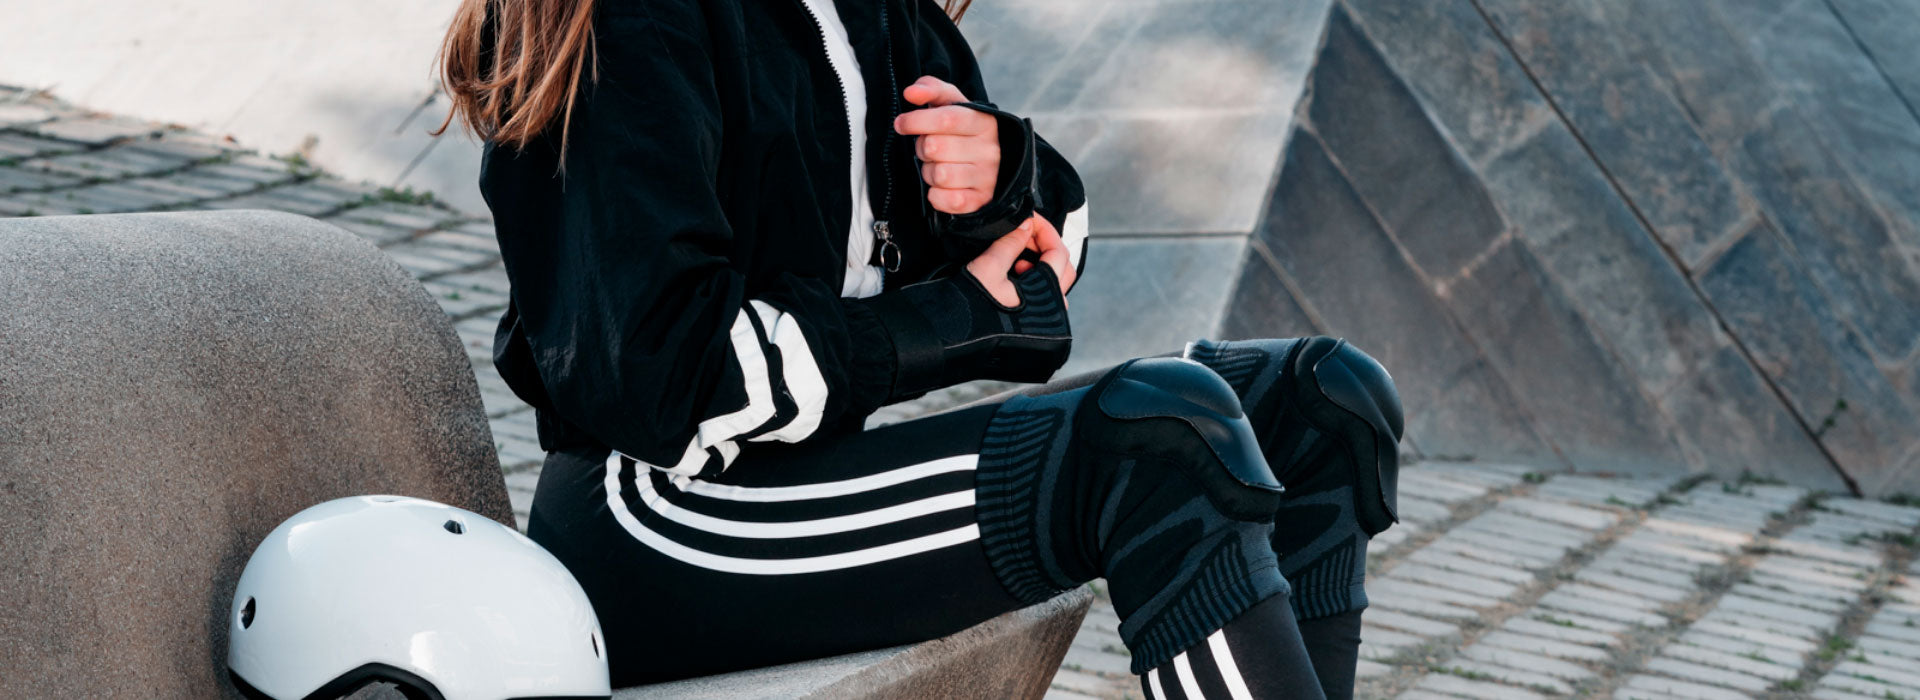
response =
{"points": [[882, 230]]}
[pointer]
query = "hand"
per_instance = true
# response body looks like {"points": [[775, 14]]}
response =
{"points": [[959, 148], [993, 266], [1053, 251]]}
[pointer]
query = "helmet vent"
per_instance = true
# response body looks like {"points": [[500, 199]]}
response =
{"points": [[454, 527], [595, 639], [246, 614]]}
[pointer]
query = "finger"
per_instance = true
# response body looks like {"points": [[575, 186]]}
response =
{"points": [[956, 121], [1020, 267], [992, 266], [1005, 250], [959, 149], [957, 176], [930, 90], [1062, 267], [1053, 250], [957, 202], [1045, 236]]}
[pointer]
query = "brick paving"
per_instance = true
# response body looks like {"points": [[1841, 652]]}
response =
{"points": [[1501, 581]]}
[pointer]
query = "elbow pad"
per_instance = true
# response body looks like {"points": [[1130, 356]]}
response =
{"points": [[951, 330]]}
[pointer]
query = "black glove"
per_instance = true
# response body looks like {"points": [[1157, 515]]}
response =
{"points": [[951, 330]]}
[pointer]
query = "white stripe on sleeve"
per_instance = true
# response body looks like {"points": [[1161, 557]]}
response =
{"points": [[716, 433], [1075, 237], [758, 327], [800, 373]]}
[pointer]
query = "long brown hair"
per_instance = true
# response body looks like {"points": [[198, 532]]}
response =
{"points": [[512, 67]]}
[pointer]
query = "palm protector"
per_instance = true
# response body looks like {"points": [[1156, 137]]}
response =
{"points": [[951, 330]]}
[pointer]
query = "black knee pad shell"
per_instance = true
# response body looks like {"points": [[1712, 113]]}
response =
{"points": [[1183, 413], [1346, 394], [1158, 485]]}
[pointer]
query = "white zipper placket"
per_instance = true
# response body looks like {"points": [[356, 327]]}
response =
{"points": [[844, 63]]}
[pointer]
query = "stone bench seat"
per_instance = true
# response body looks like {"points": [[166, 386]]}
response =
{"points": [[1011, 656]]}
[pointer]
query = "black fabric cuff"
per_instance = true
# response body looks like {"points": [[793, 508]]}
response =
{"points": [[870, 378], [1057, 190]]}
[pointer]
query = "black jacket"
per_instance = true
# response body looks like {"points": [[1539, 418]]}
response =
{"points": [[677, 288]]}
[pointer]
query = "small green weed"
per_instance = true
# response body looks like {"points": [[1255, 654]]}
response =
{"points": [[1835, 646], [1463, 673], [296, 161], [404, 195], [1833, 417]]}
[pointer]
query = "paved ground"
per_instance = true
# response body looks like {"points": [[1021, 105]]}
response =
{"points": [[1503, 582], [1508, 583]]}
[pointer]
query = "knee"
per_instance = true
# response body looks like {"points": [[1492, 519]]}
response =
{"points": [[1352, 380], [1183, 414], [1346, 395], [1330, 367]]}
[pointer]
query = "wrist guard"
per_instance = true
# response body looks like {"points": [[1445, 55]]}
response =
{"points": [[966, 236], [951, 330]]}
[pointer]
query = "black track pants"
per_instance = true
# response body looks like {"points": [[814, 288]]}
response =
{"points": [[841, 544]]}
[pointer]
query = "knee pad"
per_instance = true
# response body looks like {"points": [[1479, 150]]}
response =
{"points": [[1345, 394], [1158, 485], [1181, 412]]}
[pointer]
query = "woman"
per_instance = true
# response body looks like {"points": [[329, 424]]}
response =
{"points": [[734, 228]]}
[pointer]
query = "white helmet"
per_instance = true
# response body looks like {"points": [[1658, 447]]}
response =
{"points": [[442, 602]]}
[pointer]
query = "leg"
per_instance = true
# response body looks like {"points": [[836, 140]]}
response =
{"points": [[1151, 478], [872, 539], [1329, 421], [1333, 642], [838, 545]]}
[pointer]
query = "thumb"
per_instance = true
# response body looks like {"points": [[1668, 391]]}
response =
{"points": [[1007, 249]]}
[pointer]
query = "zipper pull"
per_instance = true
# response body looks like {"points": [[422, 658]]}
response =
{"points": [[888, 251]]}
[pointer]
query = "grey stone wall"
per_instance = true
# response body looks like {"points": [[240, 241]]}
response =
{"points": [[1633, 235]]}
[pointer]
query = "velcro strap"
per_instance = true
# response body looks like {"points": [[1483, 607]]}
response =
{"points": [[919, 356]]}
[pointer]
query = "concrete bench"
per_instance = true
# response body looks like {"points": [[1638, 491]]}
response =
{"points": [[174, 385], [1011, 656], [171, 387]]}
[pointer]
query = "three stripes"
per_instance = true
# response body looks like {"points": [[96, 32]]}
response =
{"points": [[631, 489], [1188, 682]]}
